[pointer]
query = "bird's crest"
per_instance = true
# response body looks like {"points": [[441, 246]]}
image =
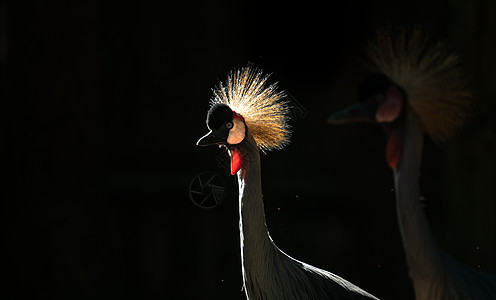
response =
{"points": [[264, 108], [429, 75]]}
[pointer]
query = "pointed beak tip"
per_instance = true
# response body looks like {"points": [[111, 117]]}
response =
{"points": [[201, 142], [211, 138]]}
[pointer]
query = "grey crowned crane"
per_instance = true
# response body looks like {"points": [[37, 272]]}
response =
{"points": [[247, 116], [416, 87]]}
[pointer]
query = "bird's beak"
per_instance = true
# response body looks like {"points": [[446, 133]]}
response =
{"points": [[359, 112], [212, 138]]}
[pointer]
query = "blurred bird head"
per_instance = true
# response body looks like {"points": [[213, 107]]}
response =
{"points": [[409, 73], [244, 106], [378, 100]]}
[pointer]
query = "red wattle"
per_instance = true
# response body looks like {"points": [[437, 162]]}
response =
{"points": [[393, 149], [235, 160]]}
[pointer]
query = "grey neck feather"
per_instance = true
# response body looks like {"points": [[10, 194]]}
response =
{"points": [[422, 252], [435, 274], [256, 245], [269, 273]]}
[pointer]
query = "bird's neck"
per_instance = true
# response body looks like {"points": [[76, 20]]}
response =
{"points": [[257, 248], [422, 251], [251, 208]]}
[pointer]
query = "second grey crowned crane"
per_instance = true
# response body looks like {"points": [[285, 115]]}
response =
{"points": [[416, 87], [247, 117]]}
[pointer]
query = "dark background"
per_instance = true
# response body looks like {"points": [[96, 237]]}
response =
{"points": [[101, 106]]}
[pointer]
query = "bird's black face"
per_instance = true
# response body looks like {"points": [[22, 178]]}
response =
{"points": [[220, 122], [379, 100], [226, 128]]}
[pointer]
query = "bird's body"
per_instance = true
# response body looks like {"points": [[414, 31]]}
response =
{"points": [[254, 117], [417, 88]]}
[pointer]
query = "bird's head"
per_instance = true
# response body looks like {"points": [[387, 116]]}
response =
{"points": [[226, 127], [380, 101], [246, 106], [410, 76]]}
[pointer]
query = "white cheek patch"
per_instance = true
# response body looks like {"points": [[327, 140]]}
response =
{"points": [[237, 133], [392, 106]]}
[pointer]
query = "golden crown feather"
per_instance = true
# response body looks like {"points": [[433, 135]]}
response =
{"points": [[263, 107], [429, 75]]}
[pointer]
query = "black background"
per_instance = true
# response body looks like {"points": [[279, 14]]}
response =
{"points": [[101, 108]]}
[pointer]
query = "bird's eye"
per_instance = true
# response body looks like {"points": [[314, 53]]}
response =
{"points": [[229, 125]]}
